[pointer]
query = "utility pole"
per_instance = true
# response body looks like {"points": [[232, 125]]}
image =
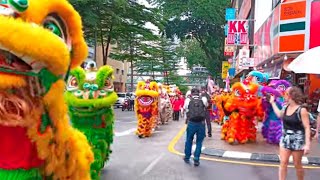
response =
{"points": [[131, 63]]}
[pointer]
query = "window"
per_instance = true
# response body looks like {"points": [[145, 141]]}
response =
{"points": [[118, 70], [122, 72]]}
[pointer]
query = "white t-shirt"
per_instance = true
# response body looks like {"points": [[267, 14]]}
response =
{"points": [[319, 106], [187, 101]]}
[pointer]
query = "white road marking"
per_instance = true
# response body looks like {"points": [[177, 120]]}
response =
{"points": [[235, 154], [152, 164], [125, 133]]}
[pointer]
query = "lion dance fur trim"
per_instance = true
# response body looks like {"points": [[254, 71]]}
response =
{"points": [[39, 42], [243, 106], [146, 107]]}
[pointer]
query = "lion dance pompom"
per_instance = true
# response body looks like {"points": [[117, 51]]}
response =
{"points": [[243, 106], [40, 40], [90, 96], [146, 107]]}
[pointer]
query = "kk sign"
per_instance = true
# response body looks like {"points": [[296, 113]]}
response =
{"points": [[238, 32]]}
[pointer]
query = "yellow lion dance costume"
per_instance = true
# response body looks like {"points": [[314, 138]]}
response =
{"points": [[40, 40], [243, 105], [146, 107]]}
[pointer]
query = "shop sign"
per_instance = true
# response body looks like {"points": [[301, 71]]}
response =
{"points": [[246, 62], [225, 69], [292, 27], [228, 49], [232, 72], [238, 32], [230, 14], [243, 54]]}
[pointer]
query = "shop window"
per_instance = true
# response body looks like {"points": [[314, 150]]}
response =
{"points": [[117, 71]]}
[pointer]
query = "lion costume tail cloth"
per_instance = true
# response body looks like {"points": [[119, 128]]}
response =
{"points": [[146, 107], [39, 41], [90, 96]]}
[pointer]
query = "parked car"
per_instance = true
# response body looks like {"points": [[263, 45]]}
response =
{"points": [[120, 100]]}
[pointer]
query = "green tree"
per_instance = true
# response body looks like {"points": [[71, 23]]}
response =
{"points": [[107, 22], [201, 21]]}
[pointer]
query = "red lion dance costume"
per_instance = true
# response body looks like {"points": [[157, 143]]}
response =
{"points": [[243, 106], [146, 107]]}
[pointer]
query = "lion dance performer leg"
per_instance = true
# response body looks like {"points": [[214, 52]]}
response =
{"points": [[90, 96], [146, 107], [39, 41]]}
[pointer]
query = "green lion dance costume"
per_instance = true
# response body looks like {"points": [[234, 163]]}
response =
{"points": [[40, 40], [90, 96], [146, 107]]}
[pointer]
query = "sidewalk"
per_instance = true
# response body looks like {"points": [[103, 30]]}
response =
{"points": [[258, 151]]}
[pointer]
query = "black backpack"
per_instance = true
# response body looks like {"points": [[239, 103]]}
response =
{"points": [[197, 110]]}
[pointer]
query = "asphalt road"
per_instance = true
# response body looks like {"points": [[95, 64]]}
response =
{"points": [[150, 159]]}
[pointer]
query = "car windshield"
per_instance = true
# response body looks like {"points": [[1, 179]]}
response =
{"points": [[122, 95]]}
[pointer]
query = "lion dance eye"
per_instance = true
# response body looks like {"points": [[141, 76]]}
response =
{"points": [[53, 28], [72, 84]]}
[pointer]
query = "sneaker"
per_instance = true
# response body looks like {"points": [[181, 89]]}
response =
{"points": [[210, 135], [186, 160], [196, 163]]}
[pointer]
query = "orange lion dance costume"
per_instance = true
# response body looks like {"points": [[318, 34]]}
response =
{"points": [[243, 106], [146, 107], [40, 40]]}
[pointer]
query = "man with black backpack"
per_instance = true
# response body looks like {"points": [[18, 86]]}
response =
{"points": [[196, 112], [207, 117]]}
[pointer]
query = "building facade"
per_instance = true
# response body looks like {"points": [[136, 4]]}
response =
{"points": [[120, 69], [283, 29]]}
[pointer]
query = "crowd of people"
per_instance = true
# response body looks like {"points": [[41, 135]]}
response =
{"points": [[287, 103]]}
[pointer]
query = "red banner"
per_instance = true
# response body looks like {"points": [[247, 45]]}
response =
{"points": [[238, 32]]}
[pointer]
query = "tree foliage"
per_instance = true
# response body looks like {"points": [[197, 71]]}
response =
{"points": [[109, 22], [199, 20]]}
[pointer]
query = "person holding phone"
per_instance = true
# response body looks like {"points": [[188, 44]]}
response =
{"points": [[296, 136]]}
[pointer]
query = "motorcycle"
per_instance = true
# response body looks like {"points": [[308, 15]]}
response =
{"points": [[126, 105]]}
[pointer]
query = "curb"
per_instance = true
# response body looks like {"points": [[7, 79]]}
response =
{"points": [[273, 158]]}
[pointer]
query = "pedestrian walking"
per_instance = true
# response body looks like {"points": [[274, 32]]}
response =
{"points": [[296, 136], [196, 111], [176, 105], [207, 117]]}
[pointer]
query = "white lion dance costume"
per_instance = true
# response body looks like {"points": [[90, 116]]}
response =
{"points": [[165, 107]]}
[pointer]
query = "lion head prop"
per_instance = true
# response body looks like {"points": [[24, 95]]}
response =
{"points": [[40, 40]]}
